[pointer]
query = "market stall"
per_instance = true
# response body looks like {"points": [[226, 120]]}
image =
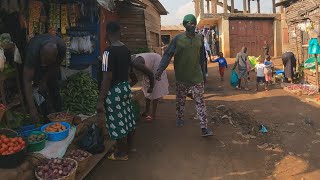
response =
{"points": [[65, 144]]}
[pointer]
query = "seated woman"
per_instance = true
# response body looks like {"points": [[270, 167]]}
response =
{"points": [[144, 67]]}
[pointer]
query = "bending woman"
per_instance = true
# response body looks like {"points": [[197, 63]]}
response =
{"points": [[145, 66]]}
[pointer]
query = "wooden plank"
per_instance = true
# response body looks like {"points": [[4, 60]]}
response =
{"points": [[95, 159]]}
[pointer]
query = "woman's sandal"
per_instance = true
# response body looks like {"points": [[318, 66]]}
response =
{"points": [[113, 157], [149, 118]]}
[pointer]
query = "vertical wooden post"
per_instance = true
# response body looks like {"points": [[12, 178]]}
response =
{"points": [[281, 8], [244, 6], [274, 6], [208, 6], [214, 6], [196, 7], [225, 6], [249, 6], [258, 4], [232, 6], [201, 8]]}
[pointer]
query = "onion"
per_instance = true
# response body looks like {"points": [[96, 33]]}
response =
{"points": [[60, 172]]}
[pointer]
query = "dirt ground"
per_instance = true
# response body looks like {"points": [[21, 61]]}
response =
{"points": [[290, 149]]}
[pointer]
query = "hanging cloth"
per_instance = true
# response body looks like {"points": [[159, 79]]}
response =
{"points": [[314, 47], [107, 4]]}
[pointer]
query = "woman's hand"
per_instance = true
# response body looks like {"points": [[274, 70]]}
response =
{"points": [[158, 75]]}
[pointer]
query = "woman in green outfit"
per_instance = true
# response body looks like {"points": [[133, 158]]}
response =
{"points": [[114, 104]]}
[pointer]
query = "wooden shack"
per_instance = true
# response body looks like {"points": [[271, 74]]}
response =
{"points": [[141, 24], [302, 18], [170, 31]]}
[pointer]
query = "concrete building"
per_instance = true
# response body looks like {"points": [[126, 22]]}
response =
{"points": [[236, 28]]}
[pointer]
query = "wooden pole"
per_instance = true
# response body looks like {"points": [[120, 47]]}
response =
{"points": [[208, 6], [249, 6], [258, 4], [244, 6], [225, 6], [214, 6], [232, 6], [196, 7], [274, 6], [201, 8]]}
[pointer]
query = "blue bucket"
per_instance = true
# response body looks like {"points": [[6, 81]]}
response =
{"points": [[25, 131], [57, 136]]}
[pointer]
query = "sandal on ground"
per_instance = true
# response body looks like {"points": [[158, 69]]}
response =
{"points": [[113, 157], [247, 89], [149, 118], [238, 88]]}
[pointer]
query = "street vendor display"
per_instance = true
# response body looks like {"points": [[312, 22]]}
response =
{"points": [[57, 169], [80, 94]]}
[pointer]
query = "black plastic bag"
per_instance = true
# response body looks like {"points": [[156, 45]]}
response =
{"points": [[92, 140]]}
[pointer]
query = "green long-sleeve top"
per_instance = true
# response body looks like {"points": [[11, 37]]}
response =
{"points": [[189, 59]]}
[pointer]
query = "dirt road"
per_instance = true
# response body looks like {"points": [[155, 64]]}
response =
{"points": [[290, 150]]}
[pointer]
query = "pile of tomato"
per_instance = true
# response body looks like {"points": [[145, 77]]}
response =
{"points": [[11, 145]]}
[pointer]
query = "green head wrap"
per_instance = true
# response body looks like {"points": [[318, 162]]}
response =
{"points": [[189, 18]]}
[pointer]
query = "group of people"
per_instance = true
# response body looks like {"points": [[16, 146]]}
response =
{"points": [[120, 70]]}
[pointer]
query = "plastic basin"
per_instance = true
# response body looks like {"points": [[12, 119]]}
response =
{"points": [[12, 160], [25, 131], [37, 146], [57, 136]]}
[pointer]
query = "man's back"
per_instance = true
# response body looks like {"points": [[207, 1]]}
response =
{"points": [[241, 60]]}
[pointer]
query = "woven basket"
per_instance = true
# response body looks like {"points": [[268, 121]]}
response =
{"points": [[82, 165], [71, 176], [68, 119]]}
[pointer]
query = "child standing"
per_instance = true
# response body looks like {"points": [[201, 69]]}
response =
{"points": [[260, 74], [222, 64], [268, 70]]}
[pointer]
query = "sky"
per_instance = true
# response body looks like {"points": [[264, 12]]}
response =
{"points": [[178, 8]]}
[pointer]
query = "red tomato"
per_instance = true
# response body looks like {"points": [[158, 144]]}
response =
{"points": [[6, 140], [4, 146], [13, 140], [10, 144], [23, 143], [1, 142], [3, 137], [16, 149], [10, 152], [2, 150], [10, 149], [20, 139]]}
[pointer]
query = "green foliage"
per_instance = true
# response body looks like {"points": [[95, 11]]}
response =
{"points": [[141, 50]]}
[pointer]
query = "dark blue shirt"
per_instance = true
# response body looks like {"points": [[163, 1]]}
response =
{"points": [[222, 62]]}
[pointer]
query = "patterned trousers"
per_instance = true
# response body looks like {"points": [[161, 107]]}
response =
{"points": [[197, 93]]}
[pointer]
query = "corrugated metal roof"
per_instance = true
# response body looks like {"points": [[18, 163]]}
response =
{"points": [[159, 7], [172, 28]]}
